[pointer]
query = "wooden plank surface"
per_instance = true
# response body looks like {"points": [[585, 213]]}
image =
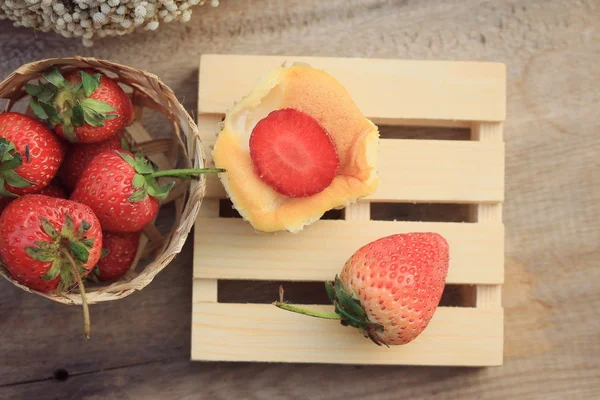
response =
{"points": [[262, 332], [140, 345], [430, 171], [470, 91], [229, 248]]}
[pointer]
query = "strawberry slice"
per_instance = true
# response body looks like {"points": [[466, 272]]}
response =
{"points": [[293, 153]]}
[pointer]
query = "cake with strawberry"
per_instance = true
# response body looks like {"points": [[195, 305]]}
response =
{"points": [[295, 147]]}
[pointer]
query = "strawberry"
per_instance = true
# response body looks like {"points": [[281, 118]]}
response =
{"points": [[84, 106], [30, 155], [49, 244], [122, 190], [121, 249], [390, 288], [293, 153], [80, 155]]}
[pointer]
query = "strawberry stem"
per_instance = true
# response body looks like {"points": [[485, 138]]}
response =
{"points": [[304, 311], [86, 310], [185, 173]]}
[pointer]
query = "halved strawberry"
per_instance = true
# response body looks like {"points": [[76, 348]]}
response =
{"points": [[293, 153]]}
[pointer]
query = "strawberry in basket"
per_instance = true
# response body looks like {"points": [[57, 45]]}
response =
{"points": [[84, 106], [30, 155], [50, 244], [121, 188]]}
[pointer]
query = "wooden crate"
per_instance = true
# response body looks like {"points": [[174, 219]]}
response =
{"points": [[389, 92]]}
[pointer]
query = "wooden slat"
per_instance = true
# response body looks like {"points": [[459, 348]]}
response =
{"points": [[262, 332], [229, 248], [430, 171], [385, 90]]}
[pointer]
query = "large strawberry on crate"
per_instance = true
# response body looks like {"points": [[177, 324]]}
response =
{"points": [[79, 157], [30, 155], [120, 250], [50, 244], [121, 188], [84, 106], [389, 289]]}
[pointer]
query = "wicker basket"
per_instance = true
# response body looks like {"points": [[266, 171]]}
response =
{"points": [[148, 93]]}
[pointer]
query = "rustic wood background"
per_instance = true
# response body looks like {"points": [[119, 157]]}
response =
{"points": [[140, 346]]}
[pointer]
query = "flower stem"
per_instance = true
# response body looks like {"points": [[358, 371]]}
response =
{"points": [[185, 173], [86, 310], [304, 311]]}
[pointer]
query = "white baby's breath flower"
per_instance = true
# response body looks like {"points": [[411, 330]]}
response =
{"points": [[99, 18], [96, 18], [152, 25]]}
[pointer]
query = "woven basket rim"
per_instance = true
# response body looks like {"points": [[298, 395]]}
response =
{"points": [[11, 88]]}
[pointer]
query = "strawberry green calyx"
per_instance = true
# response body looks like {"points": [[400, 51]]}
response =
{"points": [[67, 251], [65, 246], [10, 159], [348, 310], [69, 104], [145, 182]]}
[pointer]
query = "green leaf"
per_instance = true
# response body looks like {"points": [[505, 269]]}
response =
{"points": [[66, 275], [347, 302], [10, 162], [15, 180], [40, 254], [160, 193], [79, 251], [48, 93], [54, 77], [88, 242], [139, 181], [125, 145], [330, 291], [127, 158], [69, 132], [100, 107], [90, 83], [38, 110], [142, 165], [83, 228], [104, 253], [138, 195], [48, 228], [50, 111], [68, 227], [54, 270], [108, 117], [93, 118], [78, 118], [32, 90]]}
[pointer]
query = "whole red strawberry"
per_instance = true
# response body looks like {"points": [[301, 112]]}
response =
{"points": [[390, 288], [79, 157], [84, 106], [49, 244], [121, 250], [122, 190], [293, 153], [30, 155]]}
